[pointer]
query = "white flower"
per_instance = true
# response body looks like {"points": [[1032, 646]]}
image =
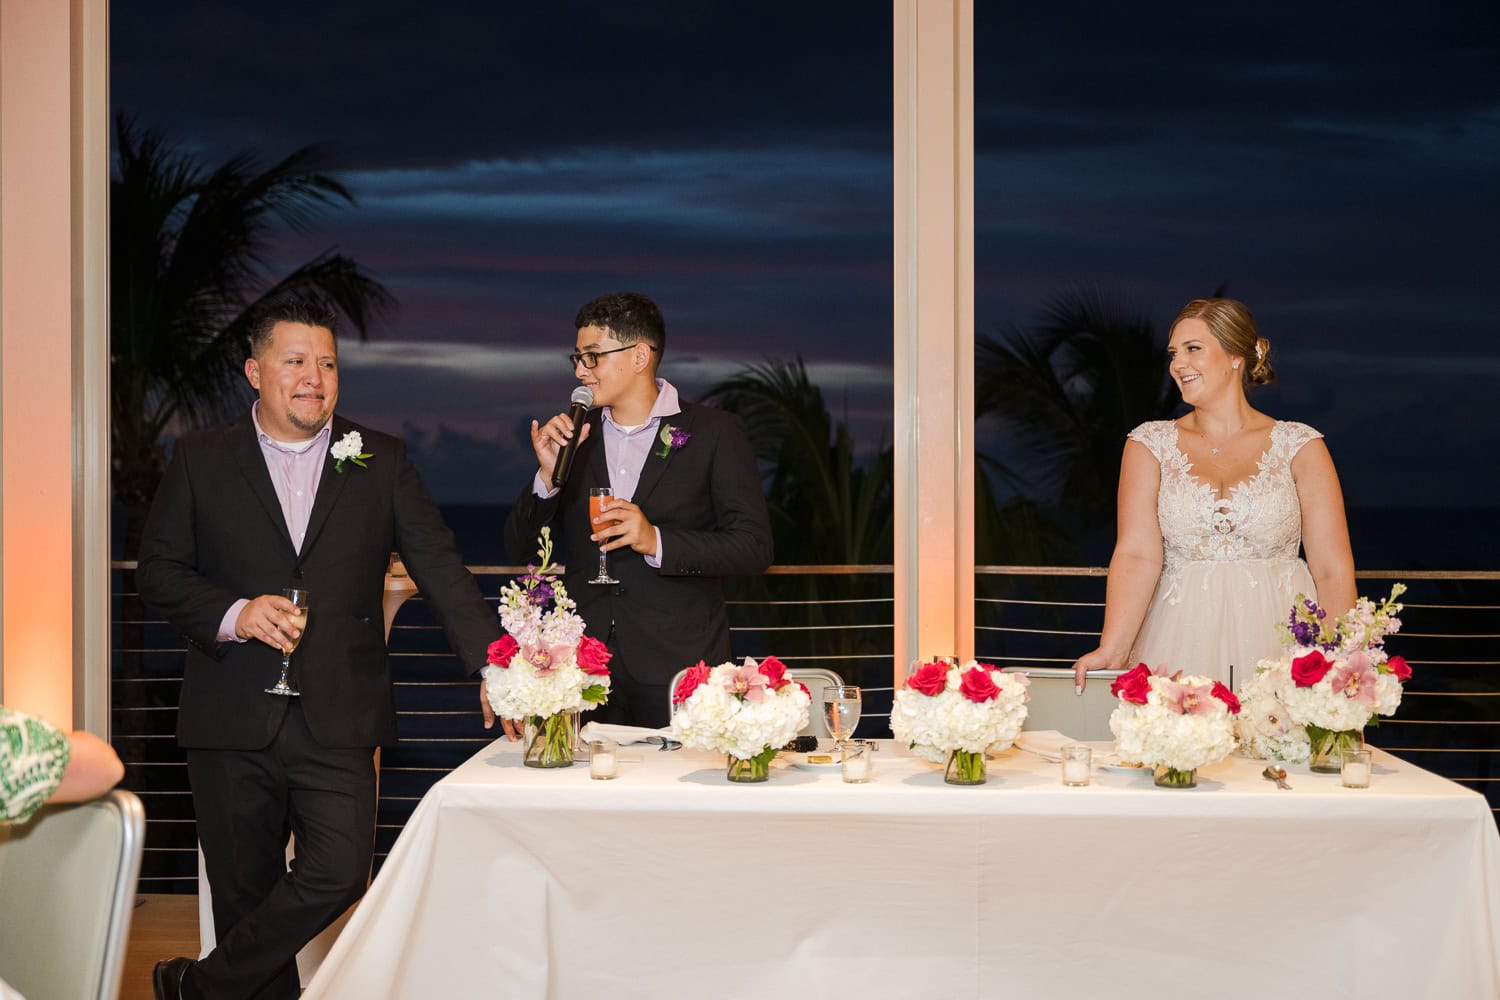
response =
{"points": [[349, 448], [1264, 727], [1157, 734], [714, 718], [933, 726]]}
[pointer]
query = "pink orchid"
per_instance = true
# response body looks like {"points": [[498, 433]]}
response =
{"points": [[546, 659], [747, 683], [1356, 677], [1186, 699]]}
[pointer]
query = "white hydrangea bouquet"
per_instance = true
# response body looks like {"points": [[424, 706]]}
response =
{"points": [[1264, 729], [954, 713], [1174, 724], [746, 711], [547, 670], [1334, 679]]}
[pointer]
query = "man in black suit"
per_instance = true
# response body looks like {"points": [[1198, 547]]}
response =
{"points": [[290, 496], [688, 509]]}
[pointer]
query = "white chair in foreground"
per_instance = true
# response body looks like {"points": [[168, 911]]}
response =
{"points": [[1053, 702], [67, 876], [816, 679]]}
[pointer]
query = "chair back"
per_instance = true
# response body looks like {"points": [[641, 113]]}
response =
{"points": [[816, 679], [67, 878], [1053, 703]]}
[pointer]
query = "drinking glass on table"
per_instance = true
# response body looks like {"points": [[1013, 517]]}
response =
{"points": [[841, 711], [597, 496], [299, 597]]}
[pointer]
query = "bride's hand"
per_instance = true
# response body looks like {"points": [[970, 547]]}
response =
{"points": [[1096, 660]]}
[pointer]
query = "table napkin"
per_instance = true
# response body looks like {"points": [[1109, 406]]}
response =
{"points": [[1048, 743], [623, 734]]}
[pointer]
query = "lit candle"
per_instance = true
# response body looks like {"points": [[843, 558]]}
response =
{"points": [[857, 761], [1356, 773], [602, 759], [1075, 764]]}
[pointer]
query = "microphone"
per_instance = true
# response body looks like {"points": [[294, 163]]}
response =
{"points": [[582, 399]]}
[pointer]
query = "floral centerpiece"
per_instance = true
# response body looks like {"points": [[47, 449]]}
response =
{"points": [[746, 711], [1334, 678], [951, 713], [547, 670], [1174, 724]]}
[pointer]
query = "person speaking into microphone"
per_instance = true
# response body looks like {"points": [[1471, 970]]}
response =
{"points": [[687, 508]]}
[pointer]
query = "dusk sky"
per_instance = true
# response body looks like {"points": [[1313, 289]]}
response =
{"points": [[1338, 171]]}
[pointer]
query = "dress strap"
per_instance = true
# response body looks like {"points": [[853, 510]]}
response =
{"points": [[1159, 437], [1290, 436]]}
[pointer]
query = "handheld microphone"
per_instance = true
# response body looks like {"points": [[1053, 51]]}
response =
{"points": [[582, 399]]}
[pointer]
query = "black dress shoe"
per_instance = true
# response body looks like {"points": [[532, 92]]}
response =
{"points": [[166, 978]]}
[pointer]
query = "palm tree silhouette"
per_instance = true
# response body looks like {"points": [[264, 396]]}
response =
{"points": [[188, 258], [1063, 394]]}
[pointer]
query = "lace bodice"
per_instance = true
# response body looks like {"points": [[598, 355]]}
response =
{"points": [[1260, 518]]}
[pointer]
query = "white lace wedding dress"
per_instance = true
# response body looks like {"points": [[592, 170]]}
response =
{"points": [[1230, 568]]}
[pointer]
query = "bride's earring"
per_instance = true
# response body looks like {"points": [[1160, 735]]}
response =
{"points": [[1236, 366]]}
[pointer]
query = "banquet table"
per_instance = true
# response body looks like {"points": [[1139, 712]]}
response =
{"points": [[671, 881]]}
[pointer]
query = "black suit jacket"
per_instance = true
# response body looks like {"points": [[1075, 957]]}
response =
{"points": [[216, 534], [706, 498]]}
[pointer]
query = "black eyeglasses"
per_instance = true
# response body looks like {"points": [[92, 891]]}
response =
{"points": [[590, 359]]}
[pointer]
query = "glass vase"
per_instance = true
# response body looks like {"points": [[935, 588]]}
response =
{"points": [[757, 768], [1326, 747], [1171, 777], [965, 768], [550, 739]]}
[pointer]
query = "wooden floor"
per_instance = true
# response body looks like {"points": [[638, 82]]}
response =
{"points": [[162, 926]]}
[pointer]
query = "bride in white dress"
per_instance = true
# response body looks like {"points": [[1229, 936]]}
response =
{"points": [[1212, 509]]}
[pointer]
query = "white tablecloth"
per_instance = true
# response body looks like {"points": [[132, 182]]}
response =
{"points": [[672, 882]]}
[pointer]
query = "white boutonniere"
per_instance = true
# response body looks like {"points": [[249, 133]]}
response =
{"points": [[349, 448]]}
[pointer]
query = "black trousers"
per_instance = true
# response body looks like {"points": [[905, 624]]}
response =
{"points": [[246, 802]]}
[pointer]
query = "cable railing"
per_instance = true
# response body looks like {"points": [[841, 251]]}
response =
{"points": [[840, 617]]}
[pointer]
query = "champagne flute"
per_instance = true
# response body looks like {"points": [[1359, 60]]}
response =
{"points": [[597, 496], [299, 597], [841, 704]]}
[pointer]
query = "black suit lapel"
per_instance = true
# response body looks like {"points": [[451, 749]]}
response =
{"points": [[656, 461], [330, 486], [252, 465]]}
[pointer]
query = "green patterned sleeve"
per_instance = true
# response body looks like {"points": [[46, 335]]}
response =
{"points": [[33, 756]]}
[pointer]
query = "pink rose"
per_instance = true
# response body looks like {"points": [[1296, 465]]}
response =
{"points": [[1308, 670], [775, 672], [593, 656], [804, 689], [1227, 697], [1133, 685], [1399, 668], [502, 650], [977, 685], [695, 675], [929, 678]]}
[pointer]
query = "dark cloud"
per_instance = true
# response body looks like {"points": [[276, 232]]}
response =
{"points": [[1334, 165]]}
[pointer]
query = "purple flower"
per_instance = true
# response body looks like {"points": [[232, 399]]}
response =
{"points": [[679, 437]]}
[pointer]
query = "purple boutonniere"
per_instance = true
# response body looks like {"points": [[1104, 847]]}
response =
{"points": [[671, 439]]}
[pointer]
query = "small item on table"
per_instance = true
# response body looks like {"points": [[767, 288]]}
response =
{"points": [[603, 758], [1077, 759], [1355, 769], [858, 761], [802, 744], [820, 758]]}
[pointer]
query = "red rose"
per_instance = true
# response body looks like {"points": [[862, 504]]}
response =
{"points": [[1133, 685], [929, 678], [593, 656], [695, 675], [502, 649], [1227, 697], [775, 672], [1308, 670], [804, 689], [1399, 668], [977, 685]]}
